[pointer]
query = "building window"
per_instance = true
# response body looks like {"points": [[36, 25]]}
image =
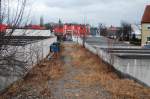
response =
{"points": [[148, 38]]}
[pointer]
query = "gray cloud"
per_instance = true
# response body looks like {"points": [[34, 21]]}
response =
{"points": [[90, 11]]}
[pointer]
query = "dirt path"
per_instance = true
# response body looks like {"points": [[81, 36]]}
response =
{"points": [[69, 88], [75, 74]]}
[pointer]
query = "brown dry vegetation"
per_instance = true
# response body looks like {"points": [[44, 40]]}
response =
{"points": [[93, 71], [36, 80], [97, 71]]}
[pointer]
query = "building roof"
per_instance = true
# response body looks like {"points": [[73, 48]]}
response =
{"points": [[3, 27], [146, 16], [30, 32]]}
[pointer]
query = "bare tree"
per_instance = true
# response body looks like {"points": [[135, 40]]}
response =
{"points": [[11, 14], [126, 30], [19, 53]]}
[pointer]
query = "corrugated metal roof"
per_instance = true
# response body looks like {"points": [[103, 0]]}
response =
{"points": [[30, 32]]}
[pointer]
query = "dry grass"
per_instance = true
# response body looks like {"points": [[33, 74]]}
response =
{"points": [[97, 71], [88, 79], [94, 72], [37, 79]]}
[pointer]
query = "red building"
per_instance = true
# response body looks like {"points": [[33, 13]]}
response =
{"points": [[72, 29], [3, 27]]}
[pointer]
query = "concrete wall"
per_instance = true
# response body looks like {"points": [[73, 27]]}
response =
{"points": [[137, 69], [31, 54], [145, 33]]}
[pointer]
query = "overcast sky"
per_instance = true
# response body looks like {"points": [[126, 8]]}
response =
{"points": [[89, 11]]}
